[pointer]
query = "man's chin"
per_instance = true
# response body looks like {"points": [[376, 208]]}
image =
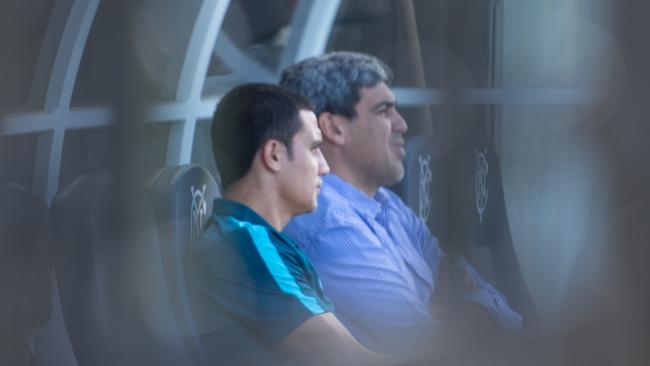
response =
{"points": [[314, 206], [309, 208], [397, 176]]}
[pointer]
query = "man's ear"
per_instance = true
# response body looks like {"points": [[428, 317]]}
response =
{"points": [[272, 154], [332, 126]]}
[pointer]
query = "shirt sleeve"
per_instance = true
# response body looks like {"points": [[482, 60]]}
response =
{"points": [[492, 300], [263, 286], [424, 241], [482, 294]]}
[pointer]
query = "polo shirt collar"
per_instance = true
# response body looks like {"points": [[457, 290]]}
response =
{"points": [[223, 206], [355, 198]]}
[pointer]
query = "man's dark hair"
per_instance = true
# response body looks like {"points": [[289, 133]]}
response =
{"points": [[332, 81], [247, 117]]}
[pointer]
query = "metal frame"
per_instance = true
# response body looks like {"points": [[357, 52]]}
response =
{"points": [[52, 89], [192, 72], [494, 96], [50, 113], [311, 26]]}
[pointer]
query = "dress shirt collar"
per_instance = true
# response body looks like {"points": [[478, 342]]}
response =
{"points": [[365, 204]]}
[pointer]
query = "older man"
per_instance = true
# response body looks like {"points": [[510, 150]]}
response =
{"points": [[378, 261]]}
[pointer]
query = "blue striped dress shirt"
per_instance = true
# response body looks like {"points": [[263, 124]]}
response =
{"points": [[378, 263]]}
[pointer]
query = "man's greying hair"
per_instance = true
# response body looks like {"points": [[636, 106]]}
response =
{"points": [[332, 81], [247, 117]]}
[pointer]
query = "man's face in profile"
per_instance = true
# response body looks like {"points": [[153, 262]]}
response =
{"points": [[301, 174], [374, 141]]}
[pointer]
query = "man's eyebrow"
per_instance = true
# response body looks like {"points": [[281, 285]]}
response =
{"points": [[384, 104], [316, 143]]}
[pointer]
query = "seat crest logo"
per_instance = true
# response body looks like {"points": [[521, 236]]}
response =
{"points": [[424, 195], [198, 211], [481, 182]]}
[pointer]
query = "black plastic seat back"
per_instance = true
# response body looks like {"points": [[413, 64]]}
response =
{"points": [[110, 272], [151, 332], [182, 199], [479, 217], [85, 215], [25, 270], [459, 194], [423, 188]]}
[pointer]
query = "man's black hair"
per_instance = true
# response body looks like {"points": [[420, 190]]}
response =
{"points": [[247, 117]]}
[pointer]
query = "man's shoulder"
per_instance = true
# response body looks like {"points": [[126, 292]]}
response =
{"points": [[333, 197], [391, 198], [239, 248], [331, 209], [227, 233]]}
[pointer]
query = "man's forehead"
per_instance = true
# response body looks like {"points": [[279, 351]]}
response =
{"points": [[374, 94], [308, 118], [309, 122]]}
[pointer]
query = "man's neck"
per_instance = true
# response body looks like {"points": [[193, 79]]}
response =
{"points": [[259, 200], [354, 180], [339, 165]]}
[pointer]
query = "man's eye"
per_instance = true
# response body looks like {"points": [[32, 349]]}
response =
{"points": [[386, 110]]}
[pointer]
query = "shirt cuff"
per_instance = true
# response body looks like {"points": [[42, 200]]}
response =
{"points": [[497, 306]]}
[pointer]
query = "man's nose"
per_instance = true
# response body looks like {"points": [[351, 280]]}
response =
{"points": [[323, 167], [399, 123]]}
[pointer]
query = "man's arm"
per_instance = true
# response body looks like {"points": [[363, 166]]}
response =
{"points": [[323, 340], [476, 290], [484, 294]]}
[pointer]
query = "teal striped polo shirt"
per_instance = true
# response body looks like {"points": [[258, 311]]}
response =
{"points": [[250, 284]]}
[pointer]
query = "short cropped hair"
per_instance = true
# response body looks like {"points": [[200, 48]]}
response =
{"points": [[332, 81], [247, 117]]}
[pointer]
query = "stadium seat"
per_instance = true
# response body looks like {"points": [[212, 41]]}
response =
{"points": [[459, 194], [116, 260], [25, 270], [182, 199], [85, 215], [423, 187], [479, 221]]}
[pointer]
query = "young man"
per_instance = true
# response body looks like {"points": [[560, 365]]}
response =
{"points": [[256, 297], [378, 261]]}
